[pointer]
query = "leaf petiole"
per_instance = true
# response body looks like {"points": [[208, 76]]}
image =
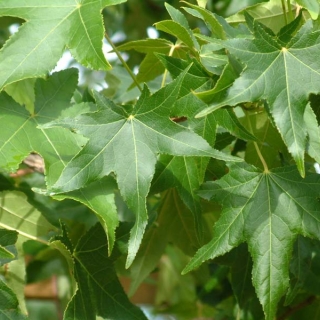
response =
{"points": [[166, 71], [284, 11], [265, 166], [123, 62], [289, 10]]}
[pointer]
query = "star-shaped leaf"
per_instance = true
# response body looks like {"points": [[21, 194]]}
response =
{"points": [[39, 43], [20, 135], [284, 76], [99, 292], [127, 143], [267, 210]]}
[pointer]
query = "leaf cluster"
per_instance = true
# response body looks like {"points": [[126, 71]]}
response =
{"points": [[201, 169]]}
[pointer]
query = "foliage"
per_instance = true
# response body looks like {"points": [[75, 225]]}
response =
{"points": [[201, 167]]}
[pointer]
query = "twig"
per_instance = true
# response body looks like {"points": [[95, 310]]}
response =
{"points": [[294, 309]]}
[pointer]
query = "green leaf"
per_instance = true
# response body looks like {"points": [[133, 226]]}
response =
{"points": [[217, 25], [218, 92], [99, 290], [16, 275], [20, 135], [18, 215], [9, 305], [267, 64], [269, 13], [313, 133], [268, 141], [209, 18], [267, 210], [312, 6], [202, 3], [23, 93], [150, 67], [212, 60], [127, 144], [178, 31], [37, 46], [304, 268], [7, 238], [99, 197]]}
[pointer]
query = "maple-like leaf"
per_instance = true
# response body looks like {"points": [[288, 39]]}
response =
{"points": [[99, 293], [127, 143], [40, 42], [284, 76], [267, 210], [20, 135]]}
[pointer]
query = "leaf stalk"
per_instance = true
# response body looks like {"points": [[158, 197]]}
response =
{"points": [[284, 11], [132, 75], [265, 166], [166, 70]]}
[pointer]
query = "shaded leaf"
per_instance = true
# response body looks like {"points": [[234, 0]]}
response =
{"points": [[21, 135], [9, 305], [267, 210], [7, 239], [99, 290], [17, 214], [99, 197]]}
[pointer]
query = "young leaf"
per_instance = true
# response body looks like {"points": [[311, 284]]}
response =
{"points": [[127, 144], [267, 210], [271, 73], [99, 290], [20, 135], [37, 46]]}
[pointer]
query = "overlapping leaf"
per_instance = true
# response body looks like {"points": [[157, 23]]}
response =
{"points": [[269, 13], [267, 210], [99, 197], [37, 46], [9, 305], [176, 225], [127, 143], [20, 135], [284, 76], [99, 291], [19, 215]]}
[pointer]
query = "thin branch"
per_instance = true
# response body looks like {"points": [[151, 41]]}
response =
{"points": [[132, 75], [296, 308]]}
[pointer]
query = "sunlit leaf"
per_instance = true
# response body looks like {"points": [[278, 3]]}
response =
{"points": [[37, 46]]}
